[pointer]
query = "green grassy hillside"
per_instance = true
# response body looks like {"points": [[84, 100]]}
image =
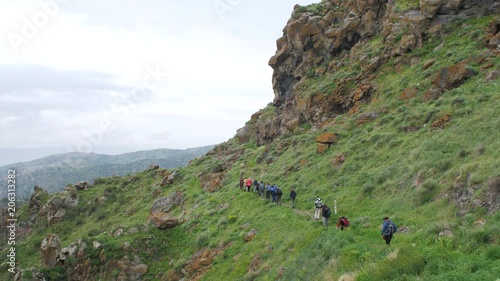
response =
{"points": [[431, 165]]}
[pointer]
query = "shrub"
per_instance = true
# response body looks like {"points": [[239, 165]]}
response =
{"points": [[493, 253], [54, 273], [426, 192]]}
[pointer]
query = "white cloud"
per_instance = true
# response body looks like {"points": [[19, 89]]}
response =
{"points": [[81, 68]]}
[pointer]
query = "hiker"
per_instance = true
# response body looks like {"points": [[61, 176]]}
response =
{"points": [[261, 188], [242, 182], [268, 190], [248, 183], [317, 206], [325, 213], [279, 193], [255, 185], [293, 194], [388, 229], [343, 223], [273, 193]]}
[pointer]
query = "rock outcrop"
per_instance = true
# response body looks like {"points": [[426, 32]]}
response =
{"points": [[55, 209], [160, 213], [51, 251], [330, 40]]}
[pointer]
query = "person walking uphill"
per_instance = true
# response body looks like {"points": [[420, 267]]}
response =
{"points": [[248, 184], [343, 222], [293, 194], [317, 206], [388, 229], [242, 181], [325, 213], [279, 193]]}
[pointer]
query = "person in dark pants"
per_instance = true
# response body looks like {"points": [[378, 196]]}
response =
{"points": [[293, 194], [325, 213], [388, 229]]}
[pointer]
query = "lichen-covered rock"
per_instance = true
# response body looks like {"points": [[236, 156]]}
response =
{"points": [[50, 250], [160, 213], [325, 42]]}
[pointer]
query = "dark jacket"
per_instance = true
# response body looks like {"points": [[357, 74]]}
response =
{"points": [[325, 211], [385, 227], [293, 194]]}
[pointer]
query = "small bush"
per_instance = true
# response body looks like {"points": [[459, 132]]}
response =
{"points": [[426, 192], [232, 218], [54, 273]]}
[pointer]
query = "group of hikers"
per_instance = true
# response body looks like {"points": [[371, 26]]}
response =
{"points": [[273, 192], [267, 190]]}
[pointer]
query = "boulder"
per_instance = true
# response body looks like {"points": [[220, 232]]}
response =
{"points": [[162, 220], [83, 185], [50, 251], [159, 214], [250, 235], [453, 76], [34, 203], [131, 269]]}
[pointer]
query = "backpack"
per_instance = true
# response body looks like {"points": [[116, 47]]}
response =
{"points": [[328, 212], [391, 229], [278, 191], [344, 222]]}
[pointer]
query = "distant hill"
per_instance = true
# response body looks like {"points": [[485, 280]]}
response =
{"points": [[54, 172]]}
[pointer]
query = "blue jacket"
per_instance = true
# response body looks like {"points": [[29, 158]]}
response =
{"points": [[385, 227]]}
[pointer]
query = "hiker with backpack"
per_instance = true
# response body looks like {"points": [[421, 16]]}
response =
{"points": [[261, 188], [268, 191], [255, 185], [248, 183], [293, 194], [317, 206], [343, 222], [388, 229], [273, 193], [325, 213], [279, 194]]}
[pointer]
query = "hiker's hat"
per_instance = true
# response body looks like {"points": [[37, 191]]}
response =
{"points": [[385, 218]]}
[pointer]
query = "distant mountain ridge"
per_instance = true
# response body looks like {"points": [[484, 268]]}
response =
{"points": [[54, 172]]}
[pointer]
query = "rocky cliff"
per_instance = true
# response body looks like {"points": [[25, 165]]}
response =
{"points": [[349, 41]]}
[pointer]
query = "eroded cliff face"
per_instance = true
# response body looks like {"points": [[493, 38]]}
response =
{"points": [[322, 39]]}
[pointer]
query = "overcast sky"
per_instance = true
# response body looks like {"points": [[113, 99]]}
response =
{"points": [[118, 76]]}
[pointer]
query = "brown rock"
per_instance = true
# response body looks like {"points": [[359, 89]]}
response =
{"points": [[492, 76], [327, 138], [50, 250], [432, 94], [429, 8], [162, 220], [452, 76], [441, 122], [250, 235], [408, 93], [321, 148], [428, 63]]}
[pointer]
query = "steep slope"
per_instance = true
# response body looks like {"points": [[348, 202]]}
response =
{"points": [[382, 130], [56, 171]]}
